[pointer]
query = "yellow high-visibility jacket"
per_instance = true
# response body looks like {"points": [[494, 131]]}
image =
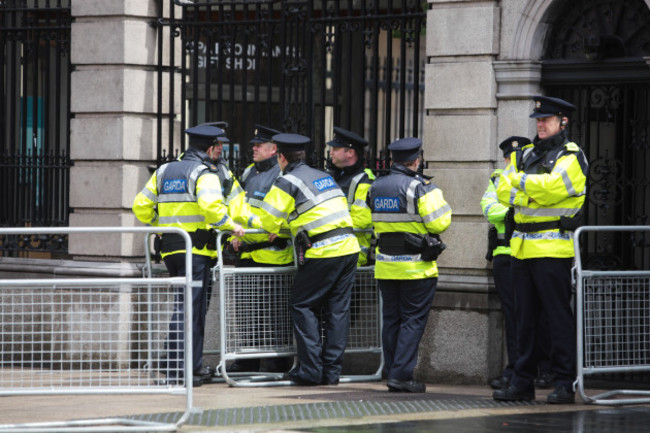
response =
{"points": [[186, 194], [355, 182], [405, 202], [256, 180], [304, 198], [545, 181], [495, 212]]}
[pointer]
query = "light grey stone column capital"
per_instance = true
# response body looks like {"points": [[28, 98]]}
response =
{"points": [[517, 79]]}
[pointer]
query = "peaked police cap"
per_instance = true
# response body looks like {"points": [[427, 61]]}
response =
{"points": [[264, 134], [512, 143], [405, 149], [291, 142], [345, 138], [546, 106], [203, 136]]}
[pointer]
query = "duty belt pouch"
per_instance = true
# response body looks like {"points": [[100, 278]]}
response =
{"points": [[571, 223], [171, 242], [157, 243], [201, 238], [303, 243], [492, 243], [433, 247]]}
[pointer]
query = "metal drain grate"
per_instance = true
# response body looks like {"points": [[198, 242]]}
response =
{"points": [[327, 410]]}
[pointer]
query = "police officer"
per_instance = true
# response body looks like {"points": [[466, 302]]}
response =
{"points": [[187, 194], [256, 249], [546, 184], [499, 253], [408, 212], [314, 208], [347, 169]]}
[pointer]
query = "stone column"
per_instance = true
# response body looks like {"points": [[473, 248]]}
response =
{"points": [[113, 125], [463, 342]]}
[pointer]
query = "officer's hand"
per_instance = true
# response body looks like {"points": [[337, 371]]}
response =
{"points": [[272, 237], [238, 231], [235, 243]]}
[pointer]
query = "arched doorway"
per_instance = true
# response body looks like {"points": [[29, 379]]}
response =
{"points": [[596, 56]]}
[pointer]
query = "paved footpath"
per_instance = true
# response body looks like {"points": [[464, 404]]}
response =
{"points": [[218, 407]]}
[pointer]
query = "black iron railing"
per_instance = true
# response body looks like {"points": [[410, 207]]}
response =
{"points": [[34, 120], [298, 66]]}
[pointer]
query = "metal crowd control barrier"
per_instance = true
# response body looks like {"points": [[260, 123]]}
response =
{"points": [[613, 322], [255, 321], [93, 336]]}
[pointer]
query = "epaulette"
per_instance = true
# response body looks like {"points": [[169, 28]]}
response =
{"points": [[572, 147], [211, 167]]}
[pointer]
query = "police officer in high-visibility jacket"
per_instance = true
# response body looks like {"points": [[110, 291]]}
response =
{"points": [[347, 169], [408, 212], [499, 253], [313, 207], [256, 249], [546, 184], [257, 179], [187, 194]]}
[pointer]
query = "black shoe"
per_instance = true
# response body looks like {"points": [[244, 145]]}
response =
{"points": [[545, 380], [298, 380], [512, 393], [395, 385], [561, 395], [205, 371], [500, 383], [326, 381], [197, 381]]}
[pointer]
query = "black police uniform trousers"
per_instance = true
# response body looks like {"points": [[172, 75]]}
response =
{"points": [[543, 286], [323, 283], [406, 306], [502, 274], [175, 264]]}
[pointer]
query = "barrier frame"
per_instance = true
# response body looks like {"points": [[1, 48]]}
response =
{"points": [[580, 276], [265, 379], [114, 424]]}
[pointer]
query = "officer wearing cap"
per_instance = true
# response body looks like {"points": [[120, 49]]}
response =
{"points": [[347, 168], [256, 249], [408, 212], [314, 208], [545, 183], [187, 194], [499, 253]]}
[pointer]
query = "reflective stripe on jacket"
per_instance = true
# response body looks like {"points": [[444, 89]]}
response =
{"points": [[184, 194], [405, 202], [304, 198], [495, 212], [545, 188], [256, 180], [355, 183]]}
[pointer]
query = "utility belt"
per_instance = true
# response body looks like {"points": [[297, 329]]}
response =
{"points": [[304, 241], [494, 242], [398, 243], [280, 243], [200, 239], [564, 224]]}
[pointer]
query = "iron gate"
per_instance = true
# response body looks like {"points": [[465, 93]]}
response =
{"points": [[297, 66], [595, 59], [34, 122]]}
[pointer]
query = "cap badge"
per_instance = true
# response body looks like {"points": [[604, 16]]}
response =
{"points": [[515, 144], [538, 105]]}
